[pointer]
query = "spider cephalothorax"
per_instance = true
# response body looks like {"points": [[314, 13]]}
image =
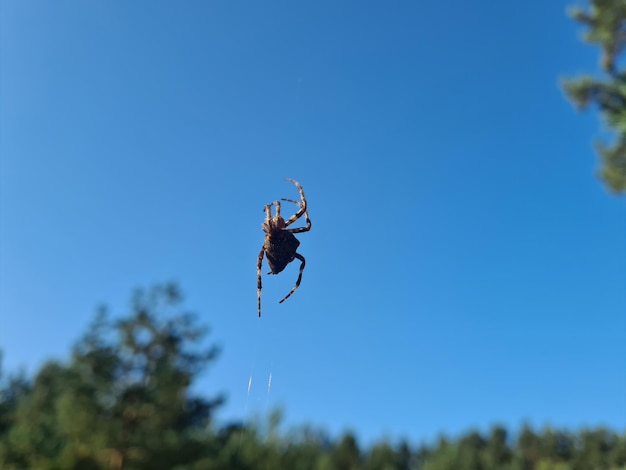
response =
{"points": [[280, 242]]}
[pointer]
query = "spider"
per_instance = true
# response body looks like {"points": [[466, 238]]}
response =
{"points": [[280, 243]]}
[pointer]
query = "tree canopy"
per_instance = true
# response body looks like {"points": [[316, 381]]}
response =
{"points": [[605, 23], [121, 401]]}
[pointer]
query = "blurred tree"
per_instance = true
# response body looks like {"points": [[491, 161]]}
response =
{"points": [[381, 457], [617, 456], [421, 456], [595, 447], [547, 464], [404, 456], [34, 436], [606, 23], [234, 447], [556, 446], [12, 389], [305, 449], [347, 455], [123, 401], [469, 452], [442, 457], [497, 453], [527, 452]]}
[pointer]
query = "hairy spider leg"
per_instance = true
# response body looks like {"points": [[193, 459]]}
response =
{"points": [[298, 203], [297, 216], [306, 228], [302, 210], [301, 258], [268, 210], [259, 285]]}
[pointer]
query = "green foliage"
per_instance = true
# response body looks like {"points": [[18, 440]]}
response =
{"points": [[497, 453], [606, 23], [122, 401], [347, 455], [382, 456]]}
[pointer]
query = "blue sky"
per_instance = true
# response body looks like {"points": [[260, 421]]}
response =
{"points": [[465, 266]]}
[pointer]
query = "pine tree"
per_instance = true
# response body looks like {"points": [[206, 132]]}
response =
{"points": [[606, 27], [123, 400]]}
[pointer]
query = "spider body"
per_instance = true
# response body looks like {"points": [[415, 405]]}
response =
{"points": [[280, 243], [280, 249]]}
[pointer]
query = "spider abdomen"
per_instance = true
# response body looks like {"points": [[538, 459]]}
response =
{"points": [[280, 249]]}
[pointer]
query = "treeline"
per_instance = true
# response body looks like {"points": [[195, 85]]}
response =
{"points": [[308, 449], [123, 401]]}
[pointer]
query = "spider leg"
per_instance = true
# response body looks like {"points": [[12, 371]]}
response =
{"points": [[297, 216], [302, 211], [301, 258], [306, 228], [298, 203], [302, 204], [268, 210], [259, 284]]}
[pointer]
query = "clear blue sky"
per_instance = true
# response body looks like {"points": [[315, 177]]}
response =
{"points": [[465, 266]]}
